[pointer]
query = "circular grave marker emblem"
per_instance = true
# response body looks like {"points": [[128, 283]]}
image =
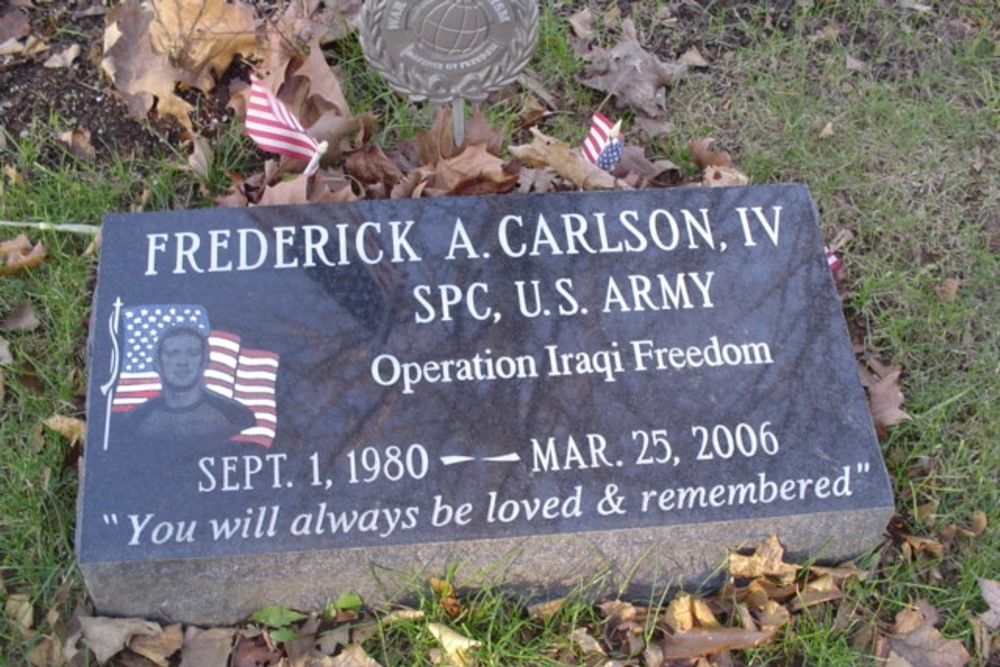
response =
{"points": [[447, 50]]}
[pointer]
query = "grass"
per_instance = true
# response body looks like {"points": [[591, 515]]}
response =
{"points": [[910, 170]]}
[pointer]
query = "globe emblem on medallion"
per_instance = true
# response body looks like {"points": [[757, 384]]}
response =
{"points": [[448, 50], [452, 28]]}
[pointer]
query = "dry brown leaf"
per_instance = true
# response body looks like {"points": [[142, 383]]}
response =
{"points": [[827, 33], [679, 614], [374, 170], [159, 647], [64, 58], [826, 132], [447, 596], [18, 255], [201, 158], [253, 651], [202, 37], [17, 608], [352, 656], [544, 610], [206, 648], [6, 357], [991, 594], [693, 58], [923, 544], [916, 640], [586, 643], [582, 23], [567, 162], [71, 428], [885, 400], [455, 645], [704, 157], [473, 164], [947, 290], [979, 522], [14, 25], [142, 76], [766, 561], [77, 142], [14, 175], [773, 616], [635, 77], [405, 614], [107, 636], [320, 21], [706, 641], [46, 653], [22, 318], [854, 64]]}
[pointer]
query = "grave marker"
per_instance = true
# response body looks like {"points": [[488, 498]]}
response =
{"points": [[289, 403]]}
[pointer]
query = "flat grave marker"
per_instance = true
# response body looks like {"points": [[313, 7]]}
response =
{"points": [[289, 403]]}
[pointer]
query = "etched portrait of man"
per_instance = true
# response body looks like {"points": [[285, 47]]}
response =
{"points": [[185, 409]]}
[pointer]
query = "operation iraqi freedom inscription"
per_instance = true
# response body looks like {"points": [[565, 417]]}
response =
{"points": [[286, 403], [448, 50]]}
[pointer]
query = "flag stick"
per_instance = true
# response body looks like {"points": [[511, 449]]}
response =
{"points": [[458, 121]]}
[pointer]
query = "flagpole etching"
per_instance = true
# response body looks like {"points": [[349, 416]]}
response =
{"points": [[108, 388]]}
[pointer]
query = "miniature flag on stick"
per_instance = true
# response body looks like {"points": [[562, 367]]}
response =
{"points": [[603, 145], [273, 127]]}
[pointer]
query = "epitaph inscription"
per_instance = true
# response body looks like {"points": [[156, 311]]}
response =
{"points": [[447, 50], [378, 378]]}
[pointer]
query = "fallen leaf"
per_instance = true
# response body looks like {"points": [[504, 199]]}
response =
{"points": [[567, 162], [991, 594], [582, 23], [77, 142], [635, 77], [352, 656], [206, 648], [704, 157], [723, 177], [64, 58], [374, 170], [773, 616], [693, 58], [202, 37], [403, 615], [71, 428], [826, 132], [17, 608], [923, 544], [18, 255], [142, 76], [22, 318], [766, 561], [254, 651], [586, 643], [947, 290], [447, 597], [455, 645], [827, 33], [915, 6], [202, 157], [14, 25], [276, 616], [47, 652], [706, 641], [915, 639], [159, 647], [14, 175], [854, 64], [679, 614], [979, 519], [107, 636], [885, 401]]}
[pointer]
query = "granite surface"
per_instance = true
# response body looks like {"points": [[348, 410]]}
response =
{"points": [[290, 402]]}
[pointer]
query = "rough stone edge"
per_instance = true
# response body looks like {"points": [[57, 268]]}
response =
{"points": [[639, 563]]}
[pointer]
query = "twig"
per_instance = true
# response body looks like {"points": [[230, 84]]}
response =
{"points": [[74, 227]]}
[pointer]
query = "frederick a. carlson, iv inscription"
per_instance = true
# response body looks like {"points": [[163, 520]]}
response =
{"points": [[289, 402]]}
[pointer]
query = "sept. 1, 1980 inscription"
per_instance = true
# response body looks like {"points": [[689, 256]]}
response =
{"points": [[471, 373]]}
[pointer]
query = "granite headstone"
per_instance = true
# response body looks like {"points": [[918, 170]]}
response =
{"points": [[288, 403]]}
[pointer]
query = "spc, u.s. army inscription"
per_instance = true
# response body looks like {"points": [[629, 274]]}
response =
{"points": [[447, 50]]}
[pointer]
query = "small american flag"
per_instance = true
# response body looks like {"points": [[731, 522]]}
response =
{"points": [[603, 146], [275, 129], [245, 375]]}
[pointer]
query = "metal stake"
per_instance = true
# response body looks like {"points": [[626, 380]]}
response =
{"points": [[458, 121]]}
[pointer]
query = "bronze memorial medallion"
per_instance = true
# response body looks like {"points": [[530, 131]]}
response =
{"points": [[447, 50]]}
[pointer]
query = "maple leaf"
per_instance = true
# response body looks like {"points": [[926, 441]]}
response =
{"points": [[202, 37], [915, 640], [704, 157], [634, 76], [142, 76]]}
